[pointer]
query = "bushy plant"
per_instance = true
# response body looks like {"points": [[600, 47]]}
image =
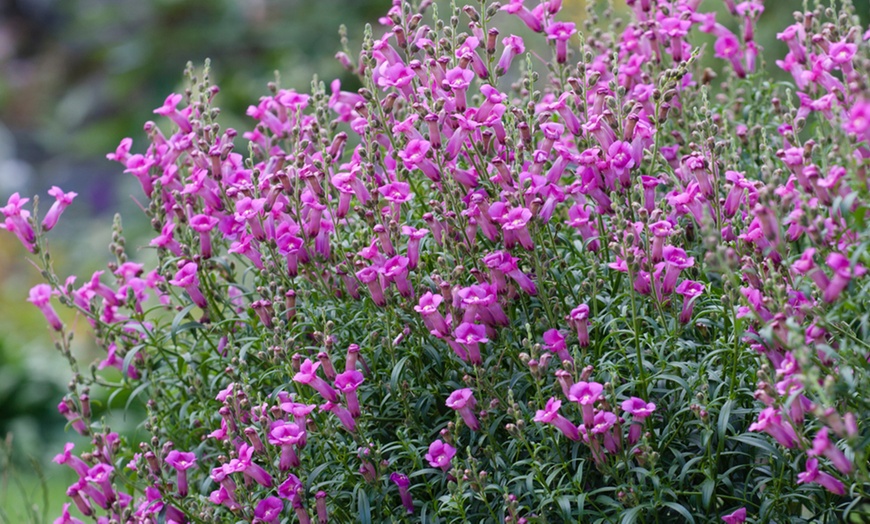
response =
{"points": [[493, 287]]}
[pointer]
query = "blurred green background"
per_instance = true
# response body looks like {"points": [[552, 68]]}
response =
{"points": [[76, 76]]}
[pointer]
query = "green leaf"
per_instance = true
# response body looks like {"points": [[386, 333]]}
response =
{"points": [[681, 510], [364, 509], [724, 416], [707, 488]]}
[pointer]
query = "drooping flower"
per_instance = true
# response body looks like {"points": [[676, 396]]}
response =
{"points": [[463, 401], [827, 481], [550, 415], [402, 482]]}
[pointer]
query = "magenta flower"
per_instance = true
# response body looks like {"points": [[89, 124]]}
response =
{"points": [[66, 518], [621, 158], [181, 462], [347, 383], [62, 201], [639, 410], [170, 110], [308, 375], [770, 421], [396, 270], [676, 260], [440, 454], [822, 446], [516, 7], [40, 296], [482, 301], [343, 414], [859, 119], [513, 47], [415, 157], [287, 435], [689, 290], [579, 317], [402, 482], [414, 237], [269, 510], [735, 517], [458, 80], [843, 274], [471, 336], [827, 481], [550, 415], [514, 224], [561, 32], [586, 394], [554, 341], [428, 309], [463, 401], [396, 192], [372, 279], [727, 46], [78, 465], [187, 278], [17, 220]]}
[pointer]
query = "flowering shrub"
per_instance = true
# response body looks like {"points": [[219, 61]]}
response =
{"points": [[492, 287]]}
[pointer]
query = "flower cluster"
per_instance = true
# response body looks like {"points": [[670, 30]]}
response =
{"points": [[457, 222]]}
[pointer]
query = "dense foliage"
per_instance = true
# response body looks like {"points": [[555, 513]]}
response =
{"points": [[610, 286]]}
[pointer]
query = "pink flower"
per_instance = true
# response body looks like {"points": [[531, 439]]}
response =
{"points": [[727, 46], [347, 383], [843, 274], [428, 309], [40, 296], [17, 220], [513, 46], [514, 223], [463, 401], [62, 200], [586, 394], [66, 518], [550, 415], [471, 336], [639, 410], [676, 260], [561, 32], [414, 237], [822, 446], [770, 421], [402, 482], [308, 375], [181, 462], [690, 290], [440, 454], [269, 509], [458, 80], [170, 110], [344, 415], [516, 7], [580, 318], [735, 517], [812, 474], [371, 278], [554, 341], [396, 270], [187, 278]]}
